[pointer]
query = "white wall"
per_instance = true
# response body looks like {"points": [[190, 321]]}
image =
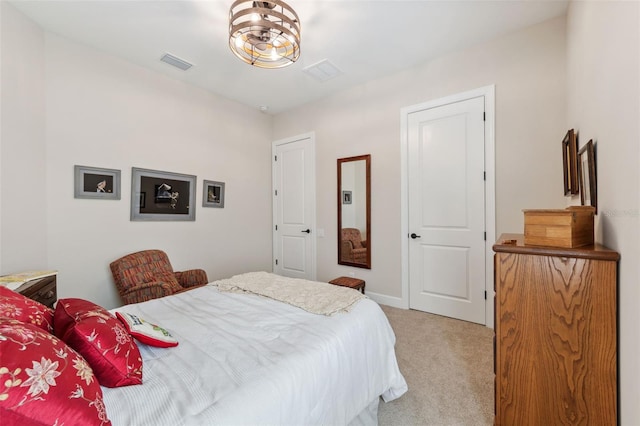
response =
{"points": [[23, 201], [105, 112], [603, 81], [70, 105], [528, 69]]}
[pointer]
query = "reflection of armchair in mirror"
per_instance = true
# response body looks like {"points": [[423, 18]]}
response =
{"points": [[354, 248], [354, 211]]}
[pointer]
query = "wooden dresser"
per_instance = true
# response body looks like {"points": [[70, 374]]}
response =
{"points": [[555, 345]]}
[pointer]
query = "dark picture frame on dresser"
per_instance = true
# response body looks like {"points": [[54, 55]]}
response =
{"points": [[587, 172], [570, 163]]}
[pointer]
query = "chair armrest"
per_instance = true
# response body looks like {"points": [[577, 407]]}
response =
{"points": [[192, 278], [147, 291], [359, 255], [364, 243]]}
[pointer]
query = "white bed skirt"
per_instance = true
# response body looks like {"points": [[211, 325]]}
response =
{"points": [[368, 416]]}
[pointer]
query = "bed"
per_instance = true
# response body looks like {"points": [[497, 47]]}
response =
{"points": [[247, 359], [254, 349]]}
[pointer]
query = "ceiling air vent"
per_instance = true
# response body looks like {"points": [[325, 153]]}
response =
{"points": [[176, 62], [323, 70]]}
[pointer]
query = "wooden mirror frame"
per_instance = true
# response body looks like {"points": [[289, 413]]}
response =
{"points": [[350, 198]]}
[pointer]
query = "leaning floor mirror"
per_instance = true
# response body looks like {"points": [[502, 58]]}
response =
{"points": [[354, 211]]}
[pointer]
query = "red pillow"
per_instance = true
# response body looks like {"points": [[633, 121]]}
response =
{"points": [[147, 333], [44, 381], [16, 306], [101, 340]]}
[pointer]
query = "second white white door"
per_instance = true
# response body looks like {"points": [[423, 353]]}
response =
{"points": [[446, 192], [294, 207]]}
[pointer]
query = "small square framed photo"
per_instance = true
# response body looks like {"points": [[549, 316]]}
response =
{"points": [[96, 183], [213, 194], [346, 197]]}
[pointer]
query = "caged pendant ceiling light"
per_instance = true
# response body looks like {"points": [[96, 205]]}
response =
{"points": [[264, 33]]}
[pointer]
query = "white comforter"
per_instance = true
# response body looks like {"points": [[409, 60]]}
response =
{"points": [[247, 360]]}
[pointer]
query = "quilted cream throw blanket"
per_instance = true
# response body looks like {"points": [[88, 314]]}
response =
{"points": [[315, 297]]}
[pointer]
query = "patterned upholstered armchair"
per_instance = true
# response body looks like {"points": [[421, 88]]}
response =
{"points": [[354, 248], [148, 274]]}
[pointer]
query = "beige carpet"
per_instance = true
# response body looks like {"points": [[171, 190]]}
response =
{"points": [[448, 365]]}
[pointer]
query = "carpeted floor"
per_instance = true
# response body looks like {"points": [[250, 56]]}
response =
{"points": [[448, 365]]}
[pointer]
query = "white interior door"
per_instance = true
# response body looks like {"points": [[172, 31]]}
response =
{"points": [[446, 194], [294, 206]]}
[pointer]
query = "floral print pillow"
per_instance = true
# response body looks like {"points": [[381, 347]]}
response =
{"points": [[101, 339], [43, 381], [16, 306]]}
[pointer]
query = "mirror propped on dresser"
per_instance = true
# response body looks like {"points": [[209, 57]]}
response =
{"points": [[354, 211]]}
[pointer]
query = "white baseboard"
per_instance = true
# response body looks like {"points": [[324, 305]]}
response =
{"points": [[383, 299]]}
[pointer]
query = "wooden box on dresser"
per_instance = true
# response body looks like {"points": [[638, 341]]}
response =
{"points": [[555, 343]]}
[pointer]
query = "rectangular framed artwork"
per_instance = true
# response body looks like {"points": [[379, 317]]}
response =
{"points": [[96, 183], [570, 163], [213, 194], [587, 168], [162, 196]]}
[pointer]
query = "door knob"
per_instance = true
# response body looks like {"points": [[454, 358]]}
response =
{"points": [[308, 231], [414, 236]]}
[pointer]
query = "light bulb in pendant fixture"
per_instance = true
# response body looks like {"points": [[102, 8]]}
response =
{"points": [[239, 42]]}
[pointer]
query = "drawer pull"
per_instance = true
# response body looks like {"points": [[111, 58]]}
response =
{"points": [[49, 294]]}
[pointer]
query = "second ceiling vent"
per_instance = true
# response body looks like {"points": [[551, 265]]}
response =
{"points": [[176, 62]]}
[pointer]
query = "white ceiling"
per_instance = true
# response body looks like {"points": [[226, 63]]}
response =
{"points": [[364, 39]]}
